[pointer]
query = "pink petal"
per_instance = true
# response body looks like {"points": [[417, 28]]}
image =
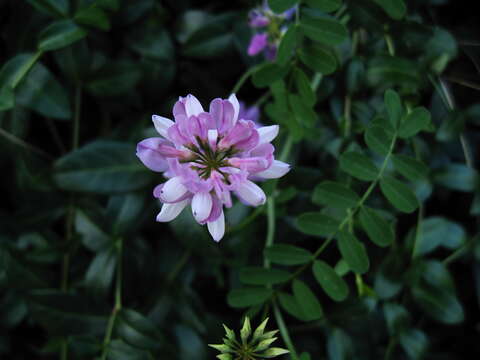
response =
{"points": [[171, 211], [257, 44], [217, 227], [251, 193], [148, 151], [202, 206]]}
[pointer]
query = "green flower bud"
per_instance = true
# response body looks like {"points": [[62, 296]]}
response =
{"points": [[229, 333], [224, 357], [272, 352], [221, 347], [259, 330], [264, 344], [246, 330]]}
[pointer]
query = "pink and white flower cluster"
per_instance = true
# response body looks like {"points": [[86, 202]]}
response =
{"points": [[207, 155]]}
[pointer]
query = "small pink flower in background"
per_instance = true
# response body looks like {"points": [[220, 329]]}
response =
{"points": [[269, 29], [257, 44], [206, 156]]}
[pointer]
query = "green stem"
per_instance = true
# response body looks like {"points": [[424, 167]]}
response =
{"points": [[64, 350], [179, 266], [25, 69], [17, 141], [390, 46], [287, 147], [118, 301], [448, 100], [243, 78], [317, 79], [457, 253], [76, 117], [347, 115], [284, 331], [466, 151], [390, 348], [270, 227], [71, 209], [255, 213], [56, 136]]}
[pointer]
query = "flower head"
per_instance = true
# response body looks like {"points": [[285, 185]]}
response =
{"points": [[269, 29], [253, 346], [206, 156]]}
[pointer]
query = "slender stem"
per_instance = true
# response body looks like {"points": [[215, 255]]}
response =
{"points": [[17, 141], [25, 69], [243, 78], [287, 147], [64, 350], [466, 151], [255, 213], [457, 253], [284, 331], [317, 79], [390, 348], [347, 115], [118, 281], [263, 98], [270, 227], [390, 46], [55, 135], [179, 266], [297, 13], [71, 209], [448, 99], [418, 233], [118, 301], [76, 117]]}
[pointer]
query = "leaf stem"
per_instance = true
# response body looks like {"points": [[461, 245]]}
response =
{"points": [[458, 252], [179, 266], [255, 213], [243, 78], [76, 117], [287, 147], [118, 301], [26, 68], [284, 331], [390, 46], [270, 227], [17, 141]]}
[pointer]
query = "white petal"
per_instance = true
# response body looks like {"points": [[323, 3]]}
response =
{"points": [[276, 170], [192, 106], [173, 190], [236, 107], [162, 124], [212, 137], [217, 227], [251, 193], [267, 133], [201, 206], [171, 211]]}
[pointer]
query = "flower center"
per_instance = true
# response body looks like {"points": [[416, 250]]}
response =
{"points": [[205, 160]]}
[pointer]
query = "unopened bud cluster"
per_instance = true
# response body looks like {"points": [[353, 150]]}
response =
{"points": [[250, 345]]}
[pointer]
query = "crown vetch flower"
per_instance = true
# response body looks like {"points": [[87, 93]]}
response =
{"points": [[206, 156]]}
